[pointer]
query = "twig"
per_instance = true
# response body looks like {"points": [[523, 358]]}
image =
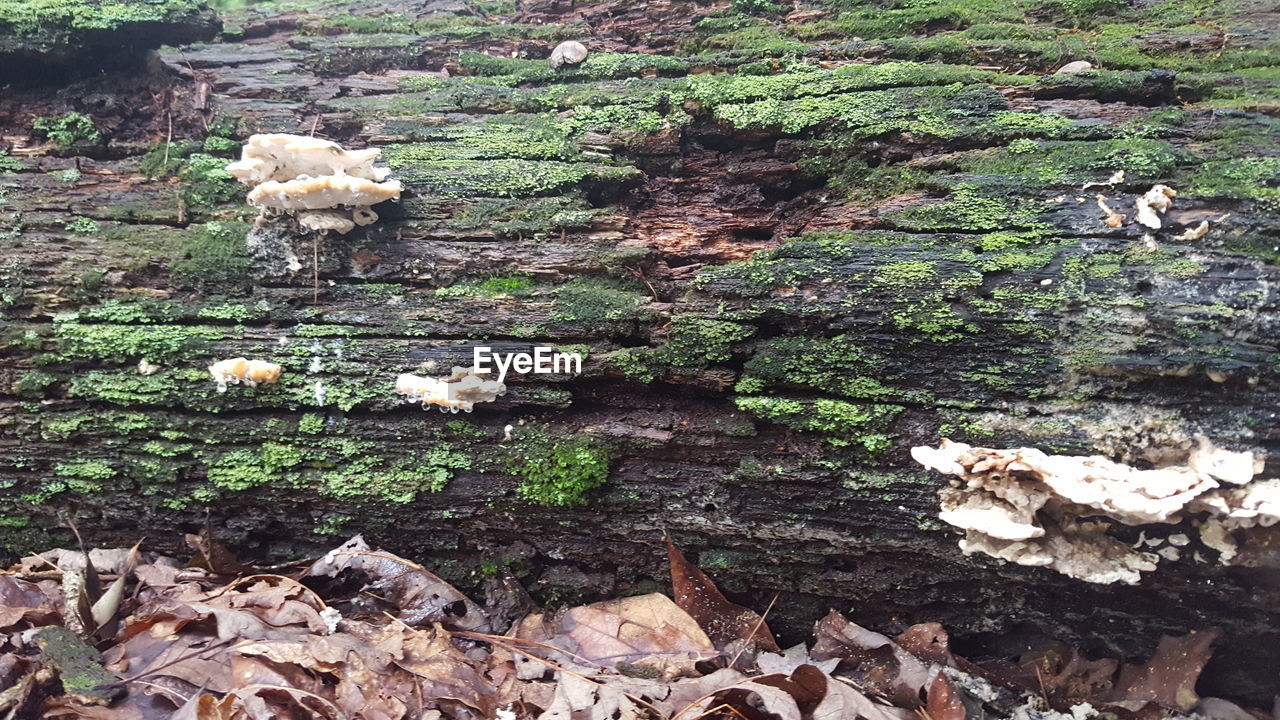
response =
{"points": [[168, 141], [751, 637], [164, 689]]}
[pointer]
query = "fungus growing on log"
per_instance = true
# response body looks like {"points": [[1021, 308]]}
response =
{"points": [[240, 370], [1154, 203], [461, 390], [1027, 507], [323, 186], [1113, 219], [1195, 233]]}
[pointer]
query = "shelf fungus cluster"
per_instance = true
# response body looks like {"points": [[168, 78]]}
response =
{"points": [[1024, 506], [317, 182], [461, 390], [242, 371]]}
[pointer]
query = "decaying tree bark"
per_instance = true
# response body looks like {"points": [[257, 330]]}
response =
{"points": [[792, 242]]}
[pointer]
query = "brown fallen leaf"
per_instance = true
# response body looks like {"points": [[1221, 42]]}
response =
{"points": [[723, 621], [21, 600], [807, 692], [213, 555], [875, 661], [1168, 679], [927, 641], [419, 596], [1066, 676], [445, 673], [942, 701], [755, 699], [644, 630], [580, 699], [842, 702]]}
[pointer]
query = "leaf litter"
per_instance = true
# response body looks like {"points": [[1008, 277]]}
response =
{"points": [[362, 634]]}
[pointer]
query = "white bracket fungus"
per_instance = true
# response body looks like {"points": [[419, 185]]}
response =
{"points": [[323, 186], [1153, 204], [1024, 506], [239, 370], [459, 391]]}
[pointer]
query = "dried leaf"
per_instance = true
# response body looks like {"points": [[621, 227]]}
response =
{"points": [[875, 661], [843, 702], [792, 658], [723, 621], [579, 699], [1168, 679], [645, 630], [754, 699], [213, 555], [420, 596], [927, 641], [108, 604], [943, 702], [21, 600], [1065, 675], [445, 672]]}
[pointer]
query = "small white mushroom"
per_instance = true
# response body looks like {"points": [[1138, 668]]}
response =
{"points": [[506, 432], [1113, 219], [147, 368], [1116, 178], [1074, 67], [237, 371], [459, 391], [1153, 204], [1195, 233], [324, 186], [569, 52]]}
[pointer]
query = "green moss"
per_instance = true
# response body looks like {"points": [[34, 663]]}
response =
{"points": [[311, 424], [966, 210], [124, 343], [215, 145], [531, 140], [697, 342], [82, 226], [239, 470], [10, 164], [236, 312], [67, 131], [28, 17], [497, 286], [505, 177], [597, 66], [1250, 177], [810, 80], [563, 474], [214, 257], [206, 182], [839, 365], [84, 476], [128, 388], [365, 479], [597, 303], [745, 35], [857, 114], [1043, 124], [845, 423]]}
